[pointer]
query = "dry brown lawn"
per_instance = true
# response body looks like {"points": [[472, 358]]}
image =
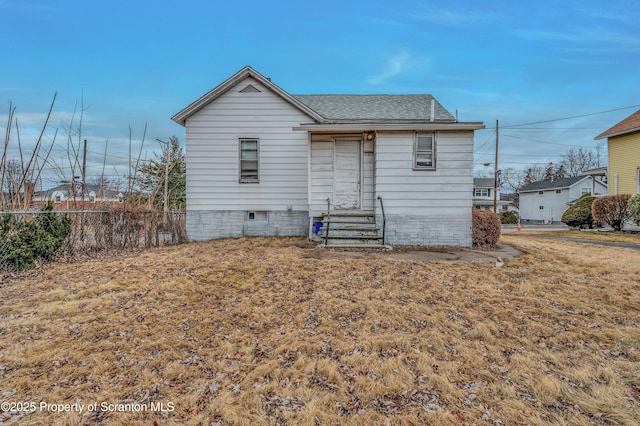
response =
{"points": [[592, 235], [272, 331]]}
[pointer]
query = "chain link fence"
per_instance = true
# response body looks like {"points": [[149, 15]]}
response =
{"points": [[109, 230]]}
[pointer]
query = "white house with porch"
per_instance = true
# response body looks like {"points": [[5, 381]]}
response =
{"points": [[261, 161]]}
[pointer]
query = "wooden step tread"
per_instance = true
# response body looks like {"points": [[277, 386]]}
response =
{"points": [[358, 246], [348, 214], [353, 237], [360, 222], [356, 225]]}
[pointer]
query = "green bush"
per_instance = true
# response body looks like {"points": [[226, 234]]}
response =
{"points": [[579, 215], [508, 218], [612, 210], [485, 229], [634, 209], [26, 241]]}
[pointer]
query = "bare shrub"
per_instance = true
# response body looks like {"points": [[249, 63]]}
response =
{"points": [[485, 228], [612, 210]]}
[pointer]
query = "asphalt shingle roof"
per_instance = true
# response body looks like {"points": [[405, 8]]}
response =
{"points": [[551, 184], [628, 125], [483, 182], [376, 107]]}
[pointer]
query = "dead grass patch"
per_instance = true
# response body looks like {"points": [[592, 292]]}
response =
{"points": [[593, 235], [259, 331]]}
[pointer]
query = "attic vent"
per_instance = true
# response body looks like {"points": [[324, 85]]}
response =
{"points": [[249, 89]]}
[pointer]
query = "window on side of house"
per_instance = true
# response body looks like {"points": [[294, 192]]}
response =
{"points": [[249, 161], [541, 192], [481, 192], [541, 207], [424, 151], [586, 191], [558, 191]]}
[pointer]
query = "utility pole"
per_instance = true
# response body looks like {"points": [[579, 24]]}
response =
{"points": [[84, 170], [84, 186], [495, 176], [166, 183], [166, 154]]}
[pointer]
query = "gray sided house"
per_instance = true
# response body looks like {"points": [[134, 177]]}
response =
{"points": [[545, 201], [261, 161]]}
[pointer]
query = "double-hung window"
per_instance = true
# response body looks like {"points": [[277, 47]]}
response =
{"points": [[249, 161], [425, 151]]}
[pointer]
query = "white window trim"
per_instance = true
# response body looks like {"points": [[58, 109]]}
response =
{"points": [[240, 178], [415, 151], [481, 192]]}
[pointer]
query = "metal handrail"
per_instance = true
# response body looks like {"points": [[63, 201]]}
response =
{"points": [[326, 231], [384, 220]]}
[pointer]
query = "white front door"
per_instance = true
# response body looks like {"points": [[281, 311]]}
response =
{"points": [[346, 175]]}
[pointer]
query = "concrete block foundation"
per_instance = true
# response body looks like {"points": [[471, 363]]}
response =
{"points": [[210, 225]]}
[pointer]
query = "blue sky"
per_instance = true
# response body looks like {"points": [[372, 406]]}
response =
{"points": [[139, 62]]}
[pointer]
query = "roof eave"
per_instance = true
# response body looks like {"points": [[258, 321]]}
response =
{"points": [[377, 126], [544, 189], [620, 133], [182, 116]]}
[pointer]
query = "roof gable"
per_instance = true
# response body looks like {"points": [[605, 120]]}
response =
{"points": [[404, 110], [231, 82], [630, 124]]}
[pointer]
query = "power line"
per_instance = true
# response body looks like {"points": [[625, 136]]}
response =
{"points": [[539, 141], [572, 117], [559, 128]]}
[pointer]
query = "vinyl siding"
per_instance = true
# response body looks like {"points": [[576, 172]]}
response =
{"points": [[212, 153], [446, 190], [554, 204], [624, 160]]}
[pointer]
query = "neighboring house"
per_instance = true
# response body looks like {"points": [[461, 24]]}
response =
{"points": [[69, 197], [511, 199], [623, 148], [483, 196], [545, 201], [261, 161]]}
